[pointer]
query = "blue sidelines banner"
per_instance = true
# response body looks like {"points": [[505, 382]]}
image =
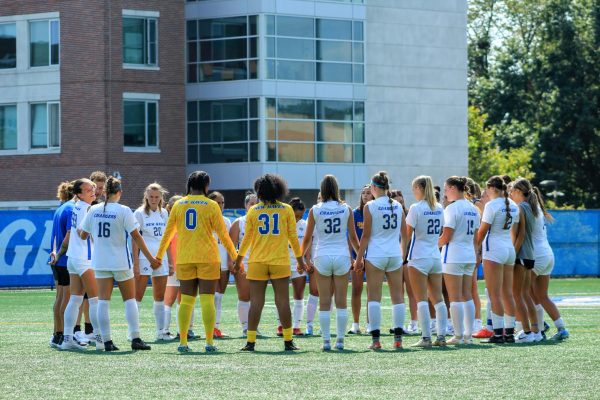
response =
{"points": [[25, 245]]}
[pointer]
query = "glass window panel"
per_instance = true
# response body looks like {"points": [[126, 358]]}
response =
{"points": [[270, 24], [271, 47], [54, 124], [192, 29], [296, 152], [334, 51], [8, 127], [299, 49], [8, 46], [54, 42], [192, 52], [192, 133], [358, 132], [134, 123], [295, 26], [192, 73], [223, 49], [193, 154], [152, 124], [224, 153], [223, 71], [254, 108], [334, 132], [252, 28], [296, 70], [357, 52], [299, 131], [253, 134], [334, 29], [358, 72], [271, 130], [254, 152], [334, 110], [357, 33], [334, 153], [271, 69], [215, 110], [296, 109], [252, 51], [39, 42], [233, 131], [359, 111], [271, 151], [253, 69], [152, 42], [271, 108], [327, 72], [222, 27], [39, 125], [133, 40], [359, 154]]}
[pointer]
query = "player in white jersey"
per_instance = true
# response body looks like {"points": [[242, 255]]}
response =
{"points": [[236, 233], [172, 296], [461, 220], [474, 196], [384, 224], [226, 266], [313, 291], [109, 224], [500, 217], [332, 222], [151, 218], [424, 224]]}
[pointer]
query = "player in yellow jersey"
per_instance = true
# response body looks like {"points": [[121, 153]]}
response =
{"points": [[270, 226], [194, 218]]}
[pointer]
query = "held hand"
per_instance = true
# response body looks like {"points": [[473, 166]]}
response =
{"points": [[236, 267], [230, 266], [301, 267], [53, 260], [155, 263], [310, 267], [358, 265]]}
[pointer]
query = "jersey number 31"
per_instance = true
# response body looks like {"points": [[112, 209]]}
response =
{"points": [[268, 227]]}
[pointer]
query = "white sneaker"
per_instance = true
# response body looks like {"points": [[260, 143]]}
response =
{"points": [[69, 343], [99, 343], [455, 341], [90, 337], [164, 337], [81, 338], [412, 328], [129, 339], [537, 337], [523, 337]]}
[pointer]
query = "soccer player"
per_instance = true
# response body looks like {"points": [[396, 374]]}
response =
{"points": [[500, 216], [298, 278], [424, 224], [384, 224], [333, 223], [194, 218], [151, 218], [461, 220], [270, 226], [474, 196], [109, 224]]}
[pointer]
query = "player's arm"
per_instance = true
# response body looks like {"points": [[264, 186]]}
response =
{"points": [[517, 231], [293, 238], [246, 241], [170, 231], [310, 228], [64, 246], [135, 250], [404, 235], [352, 236], [449, 227], [364, 239], [85, 228]]}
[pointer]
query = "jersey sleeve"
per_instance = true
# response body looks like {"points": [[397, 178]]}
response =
{"points": [[222, 231], [249, 233], [411, 218], [292, 232], [517, 213], [139, 219], [449, 218], [442, 216], [170, 231], [86, 224], [67, 215], [488, 214], [129, 222]]}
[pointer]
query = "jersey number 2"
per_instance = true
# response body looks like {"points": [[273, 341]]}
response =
{"points": [[266, 227]]}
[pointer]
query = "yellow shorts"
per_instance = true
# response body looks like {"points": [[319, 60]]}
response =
{"points": [[264, 272], [206, 271]]}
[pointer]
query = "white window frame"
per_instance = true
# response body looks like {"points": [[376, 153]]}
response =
{"points": [[145, 98], [146, 16], [11, 151], [50, 65], [48, 146], [17, 45]]}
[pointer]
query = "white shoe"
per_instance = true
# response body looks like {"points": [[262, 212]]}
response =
{"points": [[129, 339], [537, 337], [245, 333], [99, 343], [468, 340], [69, 343], [455, 341], [163, 336], [90, 337], [522, 337], [81, 338], [412, 329]]}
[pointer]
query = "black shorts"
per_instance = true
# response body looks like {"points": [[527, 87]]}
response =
{"points": [[528, 264], [61, 275]]}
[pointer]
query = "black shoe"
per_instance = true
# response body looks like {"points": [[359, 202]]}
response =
{"points": [[509, 338], [248, 347], [109, 346], [546, 327], [290, 346], [494, 339], [392, 331], [138, 344]]}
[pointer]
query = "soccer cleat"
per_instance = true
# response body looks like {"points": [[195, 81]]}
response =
{"points": [[339, 344], [184, 348], [109, 346], [354, 332], [523, 337], [248, 347], [218, 334], [562, 334], [537, 337], [546, 327], [164, 337], [90, 337], [279, 331], [99, 342], [412, 329], [81, 338], [54, 342], [398, 344], [290, 346], [129, 338], [468, 341], [483, 333], [423, 343], [191, 335], [210, 348], [494, 340], [297, 332], [376, 345], [440, 341], [139, 344], [450, 330], [509, 338], [309, 330], [69, 343], [326, 345], [455, 341]]}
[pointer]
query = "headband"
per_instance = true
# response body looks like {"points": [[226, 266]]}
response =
{"points": [[377, 184]]}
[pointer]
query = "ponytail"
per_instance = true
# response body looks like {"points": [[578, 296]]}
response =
{"points": [[531, 197], [113, 186], [426, 185], [540, 199]]}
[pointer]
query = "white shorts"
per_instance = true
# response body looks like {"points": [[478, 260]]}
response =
{"points": [[459, 269], [427, 266], [295, 274], [387, 264], [146, 269], [224, 267], [172, 281], [501, 255], [544, 265], [332, 265], [78, 266], [119, 276]]}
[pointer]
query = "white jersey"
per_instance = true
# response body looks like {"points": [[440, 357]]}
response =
{"points": [[222, 250], [541, 247], [242, 230], [386, 223], [78, 248], [494, 214], [427, 226], [331, 229], [463, 217], [110, 225], [300, 230], [152, 227]]}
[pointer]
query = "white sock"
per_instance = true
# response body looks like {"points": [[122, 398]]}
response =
{"points": [[132, 316], [424, 318], [243, 308], [398, 315], [311, 308], [540, 316], [342, 322], [104, 319], [518, 326], [469, 307], [218, 306], [374, 308], [159, 315], [488, 311], [477, 325], [93, 302], [559, 324], [497, 321], [325, 321], [355, 327], [441, 318], [457, 310], [509, 321], [298, 313], [71, 314], [167, 319]]}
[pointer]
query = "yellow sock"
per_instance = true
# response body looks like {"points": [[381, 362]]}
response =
{"points": [[287, 334], [184, 315], [251, 336], [209, 315]]}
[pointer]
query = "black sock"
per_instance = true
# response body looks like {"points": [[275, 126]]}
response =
{"points": [[499, 332], [527, 332], [398, 333], [375, 334], [77, 328], [88, 328], [510, 331]]}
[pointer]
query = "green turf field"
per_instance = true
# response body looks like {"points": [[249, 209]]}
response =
{"points": [[31, 369]]}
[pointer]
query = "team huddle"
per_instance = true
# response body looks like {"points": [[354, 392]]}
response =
{"points": [[189, 249]]}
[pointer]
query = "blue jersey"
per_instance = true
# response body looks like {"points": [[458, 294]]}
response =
{"points": [[60, 226], [358, 226]]}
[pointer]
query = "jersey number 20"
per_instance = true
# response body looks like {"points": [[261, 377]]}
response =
{"points": [[266, 227]]}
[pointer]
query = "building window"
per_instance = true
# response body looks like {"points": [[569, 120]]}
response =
{"points": [[140, 124], [45, 125], [309, 49], [220, 131], [222, 49], [44, 43], [322, 131], [140, 41], [8, 127], [8, 46]]}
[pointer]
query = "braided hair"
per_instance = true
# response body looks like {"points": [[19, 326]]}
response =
{"points": [[498, 183]]}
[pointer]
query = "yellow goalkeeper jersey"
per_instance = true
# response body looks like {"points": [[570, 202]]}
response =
{"points": [[194, 218], [269, 229]]}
